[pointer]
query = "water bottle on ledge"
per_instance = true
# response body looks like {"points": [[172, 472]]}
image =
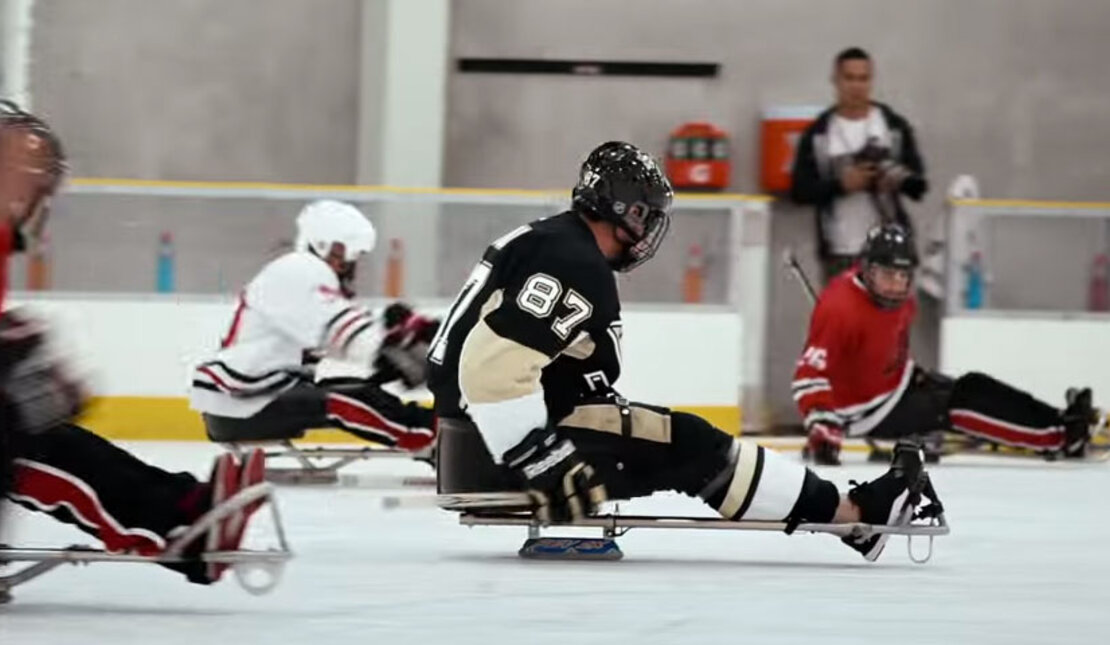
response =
{"points": [[165, 269], [1098, 287], [974, 285]]}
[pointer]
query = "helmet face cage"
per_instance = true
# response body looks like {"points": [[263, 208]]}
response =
{"points": [[648, 226]]}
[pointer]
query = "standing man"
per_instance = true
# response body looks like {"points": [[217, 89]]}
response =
{"points": [[854, 163]]}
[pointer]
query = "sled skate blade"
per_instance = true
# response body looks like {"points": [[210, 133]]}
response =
{"points": [[556, 548]]}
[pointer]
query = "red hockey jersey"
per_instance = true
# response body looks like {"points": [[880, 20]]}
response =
{"points": [[856, 361], [7, 247]]}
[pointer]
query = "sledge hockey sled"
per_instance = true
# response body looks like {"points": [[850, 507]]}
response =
{"points": [[321, 465], [1098, 451], [514, 509], [257, 571]]}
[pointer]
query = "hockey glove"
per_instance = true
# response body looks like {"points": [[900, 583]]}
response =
{"points": [[824, 442], [562, 485], [404, 351], [37, 387]]}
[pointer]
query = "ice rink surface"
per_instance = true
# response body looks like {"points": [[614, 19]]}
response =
{"points": [[1025, 563]]}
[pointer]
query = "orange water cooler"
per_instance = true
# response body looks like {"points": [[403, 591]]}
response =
{"points": [[698, 157], [780, 130]]}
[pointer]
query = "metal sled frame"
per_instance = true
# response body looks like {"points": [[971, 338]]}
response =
{"points": [[321, 465], [616, 525], [954, 444], [270, 563]]}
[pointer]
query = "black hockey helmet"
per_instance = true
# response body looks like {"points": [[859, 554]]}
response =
{"points": [[620, 183], [890, 247]]}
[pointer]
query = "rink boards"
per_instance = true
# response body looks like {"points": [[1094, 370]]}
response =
{"points": [[138, 353]]}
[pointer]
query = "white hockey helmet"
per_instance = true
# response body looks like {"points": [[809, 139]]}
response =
{"points": [[325, 222]]}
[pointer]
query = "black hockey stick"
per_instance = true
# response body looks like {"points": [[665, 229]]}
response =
{"points": [[790, 261]]}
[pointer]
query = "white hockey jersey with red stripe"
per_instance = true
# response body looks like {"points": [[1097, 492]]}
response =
{"points": [[293, 305], [856, 362]]}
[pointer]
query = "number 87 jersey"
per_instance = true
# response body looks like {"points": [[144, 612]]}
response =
{"points": [[534, 330]]}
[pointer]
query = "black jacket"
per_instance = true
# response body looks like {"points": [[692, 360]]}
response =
{"points": [[814, 181]]}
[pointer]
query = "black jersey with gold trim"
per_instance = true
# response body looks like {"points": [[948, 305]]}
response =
{"points": [[539, 310]]}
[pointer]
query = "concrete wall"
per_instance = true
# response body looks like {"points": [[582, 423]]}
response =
{"points": [[201, 89], [1013, 91]]}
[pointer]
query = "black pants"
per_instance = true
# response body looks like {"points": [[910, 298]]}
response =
{"points": [[361, 408], [639, 449], [81, 479], [656, 450], [976, 405]]}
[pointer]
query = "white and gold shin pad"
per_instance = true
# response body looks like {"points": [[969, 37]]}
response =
{"points": [[763, 484]]}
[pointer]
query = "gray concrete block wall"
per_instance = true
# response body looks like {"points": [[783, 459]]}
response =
{"points": [[1012, 91], [261, 90]]}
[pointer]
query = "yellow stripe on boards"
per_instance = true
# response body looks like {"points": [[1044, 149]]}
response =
{"points": [[104, 182], [1031, 203], [170, 419]]}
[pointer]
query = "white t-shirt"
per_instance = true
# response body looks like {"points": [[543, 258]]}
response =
{"points": [[853, 214], [294, 304]]}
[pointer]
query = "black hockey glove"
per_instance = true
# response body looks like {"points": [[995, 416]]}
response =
{"points": [[562, 485], [37, 388], [404, 351]]}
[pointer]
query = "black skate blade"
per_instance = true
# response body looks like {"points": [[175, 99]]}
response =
{"points": [[555, 548]]}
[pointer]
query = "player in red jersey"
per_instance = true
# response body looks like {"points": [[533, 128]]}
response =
{"points": [[51, 465], [856, 377]]}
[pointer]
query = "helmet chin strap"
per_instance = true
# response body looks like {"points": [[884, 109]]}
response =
{"points": [[347, 279]]}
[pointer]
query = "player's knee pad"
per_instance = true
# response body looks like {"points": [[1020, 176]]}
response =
{"points": [[755, 484]]}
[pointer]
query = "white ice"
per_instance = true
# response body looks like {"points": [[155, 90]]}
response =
{"points": [[1025, 563]]}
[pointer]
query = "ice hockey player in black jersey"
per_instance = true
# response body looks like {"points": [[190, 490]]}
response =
{"points": [[524, 366]]}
